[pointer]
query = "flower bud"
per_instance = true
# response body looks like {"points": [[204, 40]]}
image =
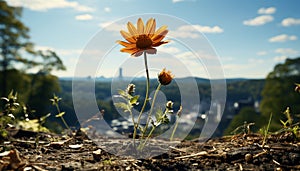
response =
{"points": [[169, 105], [165, 77], [130, 89]]}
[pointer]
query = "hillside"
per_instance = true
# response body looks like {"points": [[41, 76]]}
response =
{"points": [[237, 90]]}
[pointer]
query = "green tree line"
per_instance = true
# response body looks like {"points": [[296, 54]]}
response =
{"points": [[18, 56], [277, 95]]}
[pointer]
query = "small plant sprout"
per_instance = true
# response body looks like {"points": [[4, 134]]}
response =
{"points": [[131, 100], [266, 131], [42, 120], [161, 117], [11, 104], [244, 129], [288, 115], [7, 117], [60, 114], [288, 125], [176, 124]]}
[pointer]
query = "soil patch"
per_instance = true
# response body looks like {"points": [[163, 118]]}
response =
{"points": [[78, 152]]}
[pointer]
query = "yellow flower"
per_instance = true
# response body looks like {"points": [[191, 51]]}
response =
{"points": [[144, 38], [165, 77]]}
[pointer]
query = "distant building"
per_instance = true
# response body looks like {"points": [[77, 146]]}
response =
{"points": [[120, 73], [245, 103]]}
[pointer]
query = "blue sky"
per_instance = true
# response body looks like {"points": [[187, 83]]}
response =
{"points": [[249, 37]]}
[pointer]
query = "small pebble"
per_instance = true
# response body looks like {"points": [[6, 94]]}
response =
{"points": [[248, 157]]}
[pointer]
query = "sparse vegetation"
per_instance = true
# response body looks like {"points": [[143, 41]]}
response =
{"points": [[28, 121]]}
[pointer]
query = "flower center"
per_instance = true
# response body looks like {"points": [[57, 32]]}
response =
{"points": [[143, 42]]}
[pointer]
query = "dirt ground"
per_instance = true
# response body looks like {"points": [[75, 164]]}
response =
{"points": [[78, 152]]}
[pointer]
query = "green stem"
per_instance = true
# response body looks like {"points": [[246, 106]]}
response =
{"points": [[146, 96], [62, 118], [151, 109], [175, 127], [134, 125], [150, 133], [267, 131]]}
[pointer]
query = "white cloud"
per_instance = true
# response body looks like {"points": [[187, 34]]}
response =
{"points": [[234, 67], [282, 38], [260, 20], [279, 58], [60, 52], [192, 31], [186, 55], [270, 10], [227, 58], [261, 53], [182, 34], [175, 1], [84, 17], [286, 51], [184, 31], [189, 55], [107, 9], [290, 22], [203, 29], [168, 49], [42, 5], [255, 61], [112, 26]]}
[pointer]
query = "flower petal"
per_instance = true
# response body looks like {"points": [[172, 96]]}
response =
{"points": [[152, 30], [132, 30], [143, 33], [130, 48], [140, 26], [151, 51], [128, 37], [137, 53], [131, 51], [159, 37], [160, 30], [159, 43], [129, 45], [149, 26]]}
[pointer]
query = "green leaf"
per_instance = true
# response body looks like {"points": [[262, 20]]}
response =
{"points": [[11, 115], [158, 115], [134, 100], [43, 118], [165, 119], [4, 98], [284, 123], [124, 94], [122, 105], [11, 94], [60, 114]]}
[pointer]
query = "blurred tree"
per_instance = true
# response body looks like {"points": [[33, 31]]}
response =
{"points": [[19, 82], [50, 61], [17, 54], [42, 89], [278, 93], [14, 40], [246, 115]]}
